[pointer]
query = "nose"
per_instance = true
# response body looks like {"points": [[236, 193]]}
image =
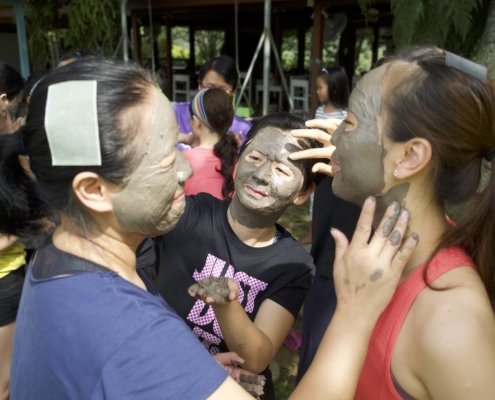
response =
{"points": [[262, 173], [184, 170]]}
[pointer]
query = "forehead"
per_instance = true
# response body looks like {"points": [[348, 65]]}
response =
{"points": [[365, 98], [214, 77], [273, 141], [160, 123]]}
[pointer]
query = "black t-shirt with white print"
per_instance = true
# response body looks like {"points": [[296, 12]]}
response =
{"points": [[203, 244]]}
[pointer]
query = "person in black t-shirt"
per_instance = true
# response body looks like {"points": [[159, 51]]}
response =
{"points": [[329, 211], [240, 239]]}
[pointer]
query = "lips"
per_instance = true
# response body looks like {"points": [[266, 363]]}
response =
{"points": [[255, 192]]}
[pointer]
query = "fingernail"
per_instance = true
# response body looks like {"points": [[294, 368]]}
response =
{"points": [[370, 200], [415, 237], [394, 206], [404, 214]]}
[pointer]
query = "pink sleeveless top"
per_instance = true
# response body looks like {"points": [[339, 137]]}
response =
{"points": [[206, 178], [376, 381]]}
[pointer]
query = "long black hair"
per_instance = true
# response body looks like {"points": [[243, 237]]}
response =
{"points": [[120, 86]]}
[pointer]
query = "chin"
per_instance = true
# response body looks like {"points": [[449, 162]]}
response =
{"points": [[351, 197]]}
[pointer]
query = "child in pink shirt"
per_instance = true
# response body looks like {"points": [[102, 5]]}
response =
{"points": [[213, 160]]}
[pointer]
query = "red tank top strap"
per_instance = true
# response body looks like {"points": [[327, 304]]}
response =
{"points": [[376, 377]]}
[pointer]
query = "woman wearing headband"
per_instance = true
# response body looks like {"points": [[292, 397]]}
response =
{"points": [[214, 158], [419, 130]]}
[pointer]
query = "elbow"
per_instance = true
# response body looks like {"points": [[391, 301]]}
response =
{"points": [[260, 361]]}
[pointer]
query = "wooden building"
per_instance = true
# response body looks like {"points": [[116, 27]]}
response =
{"points": [[242, 21]]}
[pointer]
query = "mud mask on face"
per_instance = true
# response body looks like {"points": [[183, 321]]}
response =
{"points": [[146, 204], [267, 182], [359, 154]]}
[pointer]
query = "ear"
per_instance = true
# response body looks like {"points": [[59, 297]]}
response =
{"points": [[3, 101], [196, 123], [416, 155], [93, 191], [302, 197]]}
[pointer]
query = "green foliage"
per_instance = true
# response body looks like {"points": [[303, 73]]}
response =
{"points": [[407, 16], [433, 22], [207, 44], [39, 21], [91, 24]]}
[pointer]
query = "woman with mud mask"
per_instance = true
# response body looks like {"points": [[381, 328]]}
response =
{"points": [[241, 240], [418, 132], [89, 324]]}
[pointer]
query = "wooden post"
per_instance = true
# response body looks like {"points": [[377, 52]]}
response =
{"points": [[136, 39], [316, 52], [301, 47]]}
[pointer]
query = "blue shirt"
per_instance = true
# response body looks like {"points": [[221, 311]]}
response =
{"points": [[94, 335]]}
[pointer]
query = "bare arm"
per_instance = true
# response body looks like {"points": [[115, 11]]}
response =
{"points": [[7, 241], [454, 351], [365, 277], [256, 342]]}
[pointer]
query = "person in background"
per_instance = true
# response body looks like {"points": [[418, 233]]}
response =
{"points": [[327, 211], [12, 251], [221, 73], [332, 89], [213, 159]]}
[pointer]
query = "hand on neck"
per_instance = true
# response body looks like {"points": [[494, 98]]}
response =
{"points": [[426, 219]]}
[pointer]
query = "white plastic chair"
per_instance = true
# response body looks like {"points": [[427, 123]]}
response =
{"points": [[299, 91], [181, 89]]}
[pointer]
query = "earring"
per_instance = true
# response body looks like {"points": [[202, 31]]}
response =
{"points": [[396, 173]]}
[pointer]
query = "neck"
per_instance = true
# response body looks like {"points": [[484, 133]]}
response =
{"points": [[103, 247], [209, 140], [329, 107], [420, 209], [251, 228]]}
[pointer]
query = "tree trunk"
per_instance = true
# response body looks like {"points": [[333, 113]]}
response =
{"points": [[485, 54]]}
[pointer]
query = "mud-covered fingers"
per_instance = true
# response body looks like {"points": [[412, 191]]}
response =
{"points": [[402, 256], [316, 134], [233, 289], [396, 236], [363, 227], [329, 124], [322, 152], [386, 226]]}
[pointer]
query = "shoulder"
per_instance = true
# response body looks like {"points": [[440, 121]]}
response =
{"points": [[291, 251], [455, 338]]}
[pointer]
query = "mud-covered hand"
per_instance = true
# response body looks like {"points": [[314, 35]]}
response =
{"points": [[214, 290], [367, 272]]}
